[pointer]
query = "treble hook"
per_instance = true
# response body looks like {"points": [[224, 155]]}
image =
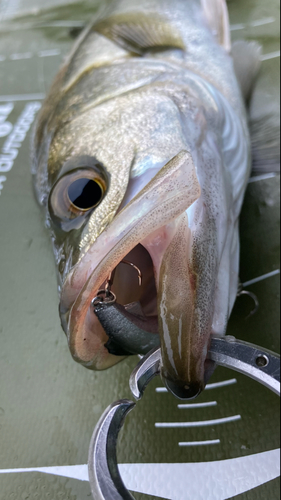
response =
{"points": [[241, 291], [109, 282]]}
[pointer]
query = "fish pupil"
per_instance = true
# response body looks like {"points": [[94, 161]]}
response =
{"points": [[85, 193]]}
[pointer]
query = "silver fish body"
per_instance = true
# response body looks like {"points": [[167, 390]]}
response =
{"points": [[148, 107]]}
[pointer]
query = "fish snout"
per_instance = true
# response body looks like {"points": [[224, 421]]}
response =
{"points": [[183, 390], [187, 378]]}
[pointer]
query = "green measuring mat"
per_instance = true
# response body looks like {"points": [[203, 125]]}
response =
{"points": [[49, 405]]}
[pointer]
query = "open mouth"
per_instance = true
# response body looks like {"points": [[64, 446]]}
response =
{"points": [[126, 306]]}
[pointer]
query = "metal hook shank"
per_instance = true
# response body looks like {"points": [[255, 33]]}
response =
{"points": [[110, 279], [255, 299]]}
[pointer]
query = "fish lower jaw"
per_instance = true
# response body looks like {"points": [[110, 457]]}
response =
{"points": [[183, 391], [191, 387]]}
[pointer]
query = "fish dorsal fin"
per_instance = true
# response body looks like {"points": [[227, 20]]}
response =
{"points": [[139, 33], [216, 13]]}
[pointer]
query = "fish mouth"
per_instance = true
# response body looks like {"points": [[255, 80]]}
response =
{"points": [[152, 233], [126, 306]]}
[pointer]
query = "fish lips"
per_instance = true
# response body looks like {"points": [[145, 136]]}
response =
{"points": [[189, 390], [190, 384]]}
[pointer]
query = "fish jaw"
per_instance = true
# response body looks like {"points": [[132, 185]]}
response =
{"points": [[159, 205], [184, 344], [184, 330]]}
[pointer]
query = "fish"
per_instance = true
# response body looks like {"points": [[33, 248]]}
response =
{"points": [[141, 155]]}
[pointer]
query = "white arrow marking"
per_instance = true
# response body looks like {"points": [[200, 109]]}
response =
{"points": [[22, 55], [22, 97], [215, 385], [190, 406], [262, 177], [253, 24], [261, 278], [271, 55], [221, 480], [200, 443], [72, 471], [197, 481], [49, 53], [202, 423]]}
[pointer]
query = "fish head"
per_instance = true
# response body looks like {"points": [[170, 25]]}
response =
{"points": [[122, 184]]}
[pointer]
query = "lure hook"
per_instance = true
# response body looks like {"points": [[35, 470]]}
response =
{"points": [[106, 295], [136, 268], [110, 279], [241, 291]]}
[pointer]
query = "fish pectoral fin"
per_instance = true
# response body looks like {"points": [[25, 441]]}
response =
{"points": [[216, 14], [139, 33], [247, 61]]}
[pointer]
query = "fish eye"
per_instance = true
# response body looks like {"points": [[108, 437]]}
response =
{"points": [[76, 194], [84, 193]]}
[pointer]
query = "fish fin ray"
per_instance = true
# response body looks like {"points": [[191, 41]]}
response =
{"points": [[138, 33], [216, 14], [247, 62], [265, 139]]}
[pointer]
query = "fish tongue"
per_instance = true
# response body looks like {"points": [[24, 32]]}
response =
{"points": [[182, 359], [134, 308]]}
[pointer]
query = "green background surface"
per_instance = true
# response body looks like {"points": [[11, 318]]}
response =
{"points": [[49, 405]]}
